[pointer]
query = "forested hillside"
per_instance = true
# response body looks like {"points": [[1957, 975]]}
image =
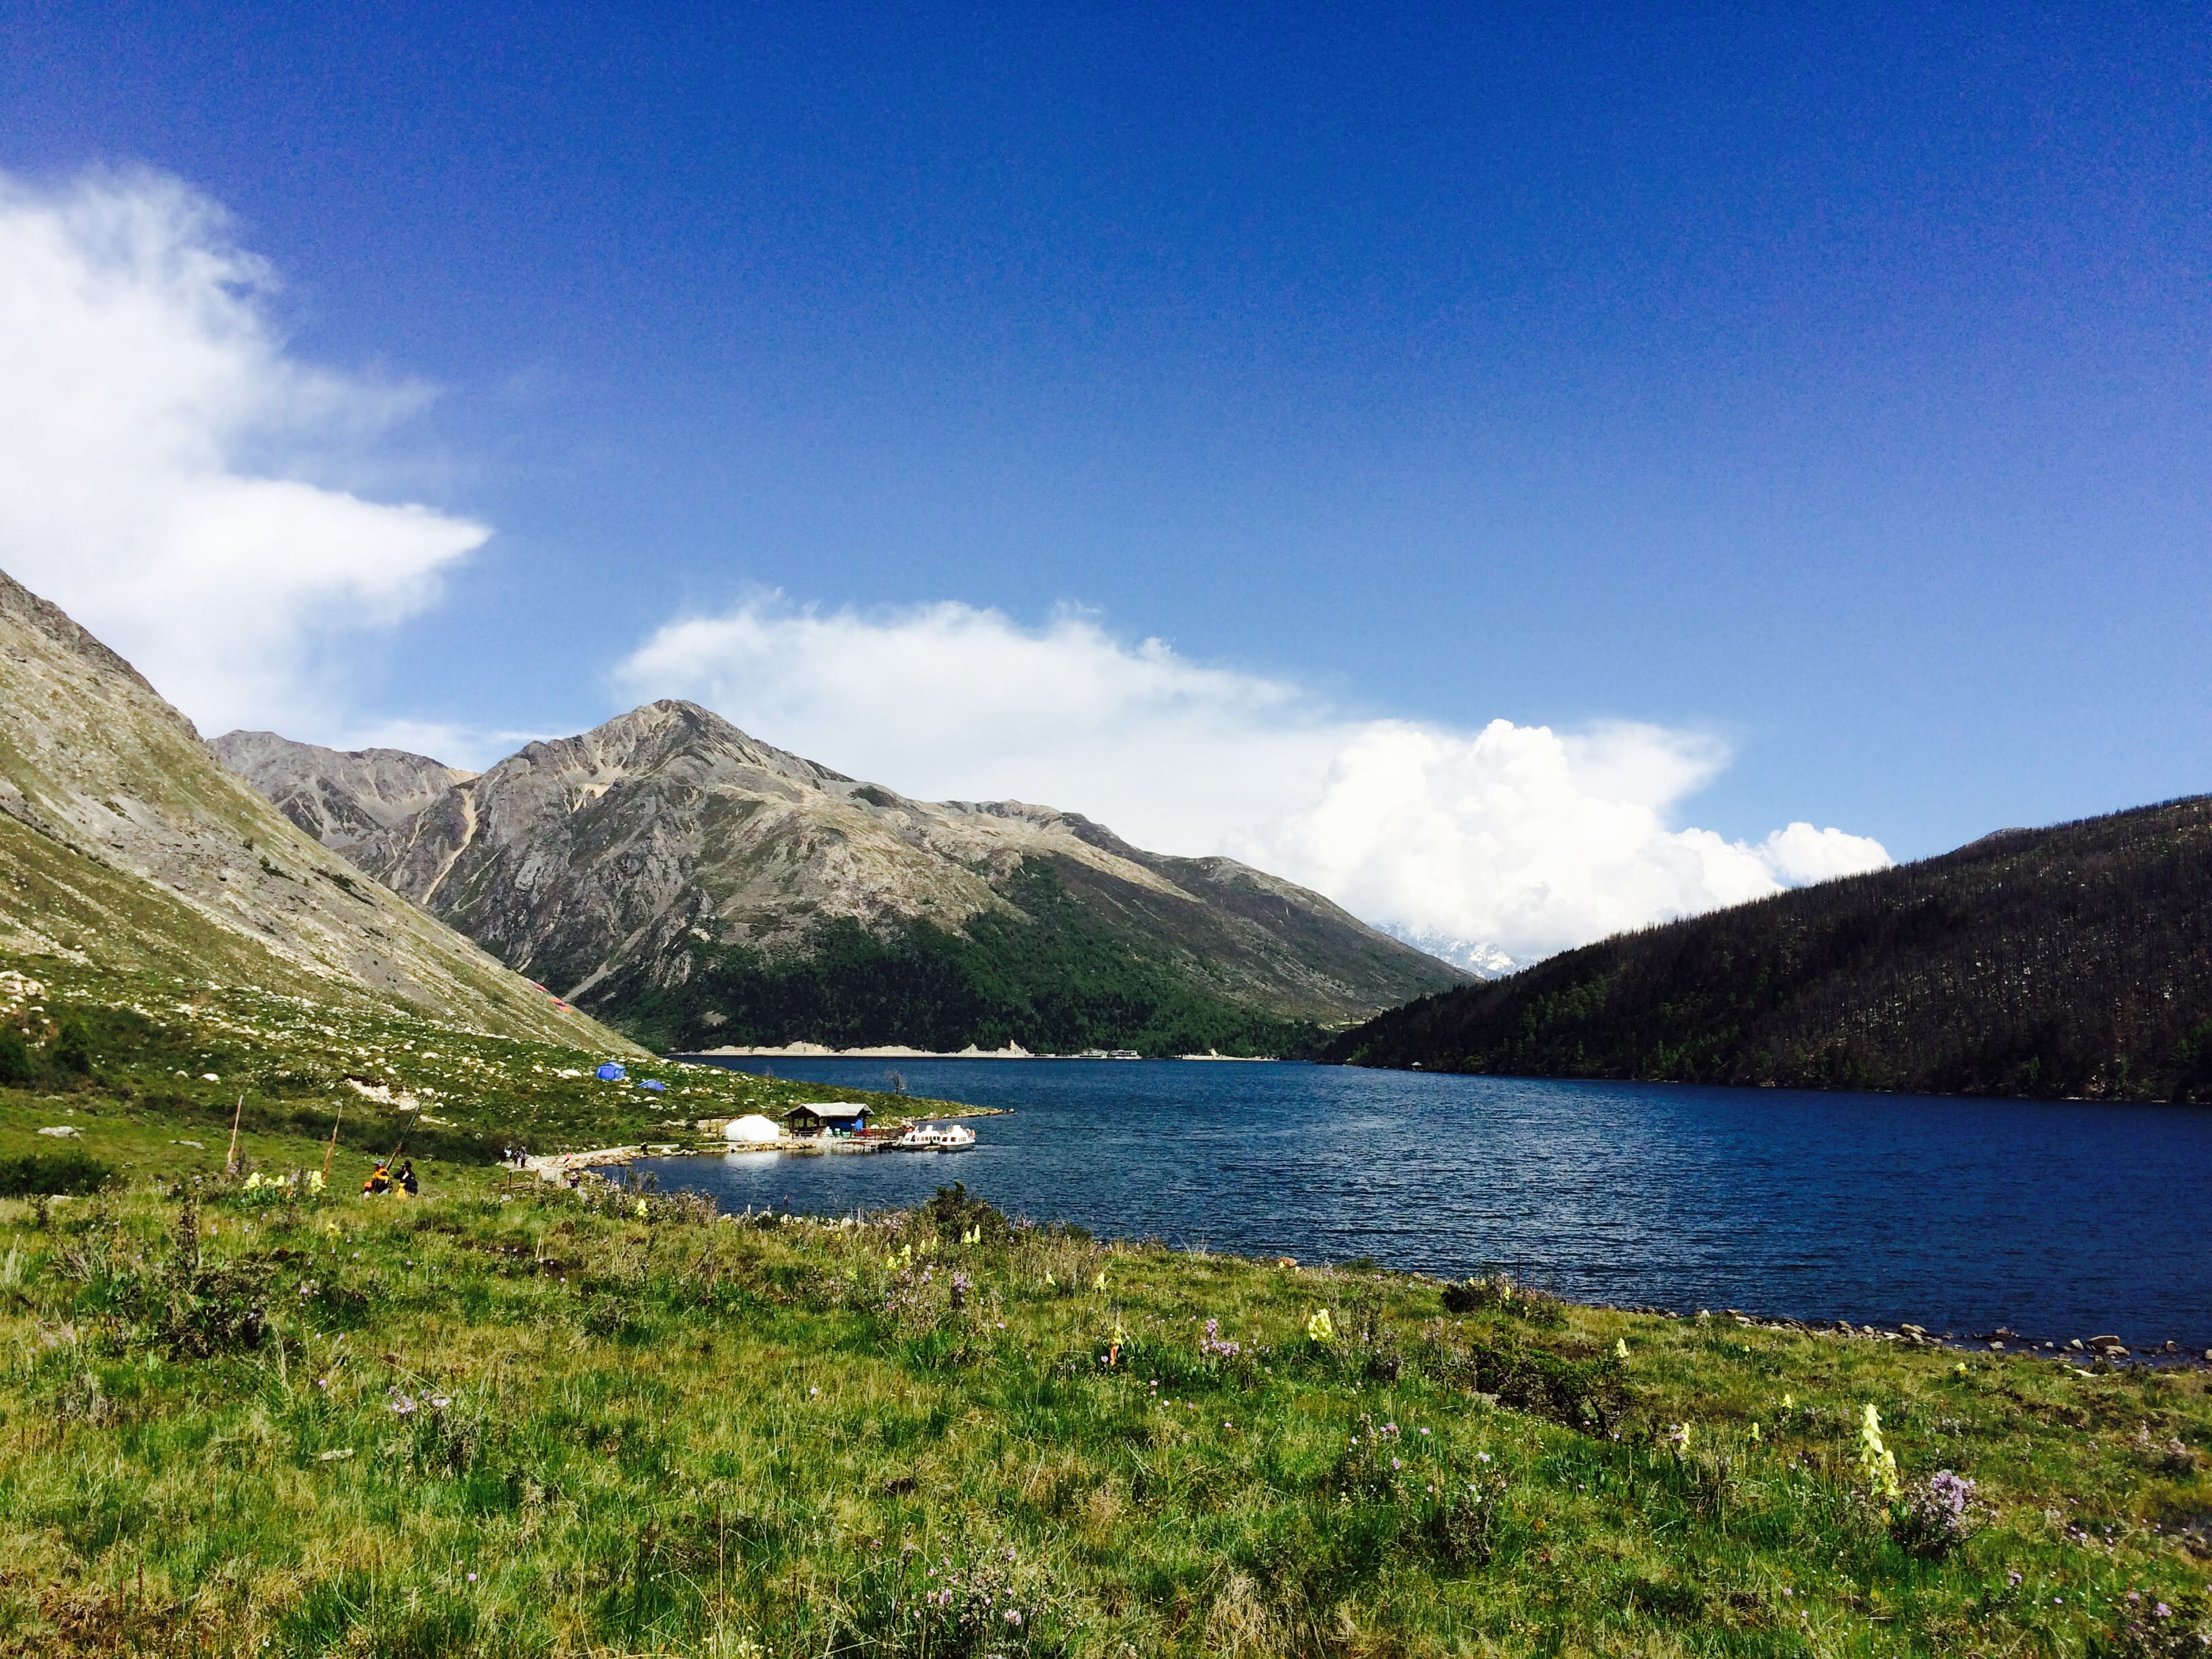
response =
{"points": [[2070, 961]]}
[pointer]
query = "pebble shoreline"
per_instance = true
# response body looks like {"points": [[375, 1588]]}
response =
{"points": [[2102, 1351]]}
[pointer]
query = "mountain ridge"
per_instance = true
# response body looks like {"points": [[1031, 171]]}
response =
{"points": [[124, 844], [2073, 960], [667, 845]]}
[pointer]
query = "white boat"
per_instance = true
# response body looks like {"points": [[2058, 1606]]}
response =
{"points": [[937, 1136]]}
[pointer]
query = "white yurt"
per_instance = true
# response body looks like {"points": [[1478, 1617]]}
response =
{"points": [[753, 1130]]}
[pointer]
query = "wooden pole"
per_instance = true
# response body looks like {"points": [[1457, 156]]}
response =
{"points": [[331, 1151], [230, 1163], [406, 1123]]}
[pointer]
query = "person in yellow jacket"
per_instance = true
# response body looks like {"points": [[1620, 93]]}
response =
{"points": [[379, 1180]]}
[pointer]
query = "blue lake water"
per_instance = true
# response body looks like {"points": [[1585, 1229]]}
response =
{"points": [[2057, 1220]]}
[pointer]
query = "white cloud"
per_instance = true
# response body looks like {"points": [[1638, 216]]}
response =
{"points": [[154, 440], [1531, 841], [1518, 838], [949, 702], [1801, 854], [143, 369]]}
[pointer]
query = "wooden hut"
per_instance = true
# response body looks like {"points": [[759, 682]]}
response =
{"points": [[828, 1118]]}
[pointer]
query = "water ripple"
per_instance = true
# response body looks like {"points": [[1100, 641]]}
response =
{"points": [[2058, 1218]]}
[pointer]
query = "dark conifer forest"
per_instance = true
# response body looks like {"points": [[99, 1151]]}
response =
{"points": [[1063, 978], [2074, 961]]}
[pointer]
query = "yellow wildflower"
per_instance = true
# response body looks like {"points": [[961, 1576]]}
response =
{"points": [[1321, 1328], [1877, 1463]]}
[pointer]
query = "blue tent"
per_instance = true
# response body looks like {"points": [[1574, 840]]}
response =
{"points": [[611, 1073], [655, 1085]]}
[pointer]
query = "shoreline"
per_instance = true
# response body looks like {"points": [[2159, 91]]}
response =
{"points": [[2102, 1351], [888, 1051], [2095, 1356], [1012, 1051]]}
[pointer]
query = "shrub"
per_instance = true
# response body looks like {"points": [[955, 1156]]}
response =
{"points": [[213, 1309], [1462, 1528], [72, 1050], [1585, 1395], [200, 1309], [2192, 1064], [956, 1214], [1934, 1516], [1497, 1293], [17, 1066], [70, 1170], [2152, 1629]]}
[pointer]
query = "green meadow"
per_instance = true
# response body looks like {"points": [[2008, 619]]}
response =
{"points": [[506, 1418]]}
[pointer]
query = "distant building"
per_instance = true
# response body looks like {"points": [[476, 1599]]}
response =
{"points": [[830, 1118]]}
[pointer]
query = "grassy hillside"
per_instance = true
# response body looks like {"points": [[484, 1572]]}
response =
{"points": [[149, 1070], [505, 1419], [124, 845], [2071, 961], [485, 1423]]}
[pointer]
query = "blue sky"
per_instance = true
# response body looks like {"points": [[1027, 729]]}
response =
{"points": [[1828, 386]]}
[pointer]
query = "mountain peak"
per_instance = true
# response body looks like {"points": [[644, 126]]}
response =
{"points": [[668, 731], [343, 798], [634, 864]]}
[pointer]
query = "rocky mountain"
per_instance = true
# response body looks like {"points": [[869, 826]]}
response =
{"points": [[349, 802], [1480, 960], [2071, 961], [124, 845], [697, 886]]}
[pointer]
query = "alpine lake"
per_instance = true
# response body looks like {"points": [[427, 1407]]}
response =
{"points": [[2050, 1219]]}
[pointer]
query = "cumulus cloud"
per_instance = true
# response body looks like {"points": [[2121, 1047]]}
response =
{"points": [[1518, 840], [946, 701], [1530, 841], [152, 423]]}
